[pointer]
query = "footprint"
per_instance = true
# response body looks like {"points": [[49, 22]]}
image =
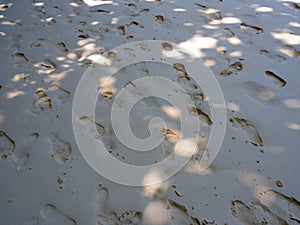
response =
{"points": [[111, 218], [159, 18], [38, 43], [178, 214], [20, 157], [237, 66], [254, 214], [293, 52], [226, 73], [248, 129], [42, 102], [230, 33], [106, 94], [202, 115], [54, 217], [257, 30], [167, 46], [295, 6], [91, 123], [21, 55], [121, 30], [276, 79], [140, 12], [7, 145], [181, 69], [62, 46], [273, 56], [234, 69], [61, 149], [58, 93], [285, 207], [258, 92], [171, 136], [201, 6], [47, 66]]}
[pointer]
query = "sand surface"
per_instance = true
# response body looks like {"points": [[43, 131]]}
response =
{"points": [[253, 49]]}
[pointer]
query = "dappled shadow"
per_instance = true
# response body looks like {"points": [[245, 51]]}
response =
{"points": [[252, 48]]}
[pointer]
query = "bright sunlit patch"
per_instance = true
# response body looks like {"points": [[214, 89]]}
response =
{"points": [[152, 177], [292, 103], [188, 24], [235, 54], [196, 43], [264, 9], [114, 20], [171, 111], [210, 27], [186, 147], [210, 62], [60, 58], [179, 10], [155, 213], [294, 24], [95, 23], [287, 38], [74, 4], [231, 20], [233, 107], [18, 77], [293, 126], [39, 3], [234, 41], [96, 2], [107, 81], [10, 23], [14, 93], [72, 56]]}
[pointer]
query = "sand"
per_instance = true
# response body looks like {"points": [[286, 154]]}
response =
{"points": [[251, 47]]}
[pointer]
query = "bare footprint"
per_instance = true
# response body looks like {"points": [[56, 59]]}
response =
{"points": [[276, 79], [140, 12], [248, 129], [58, 93], [230, 33], [61, 149], [295, 6], [62, 46], [202, 115], [292, 51], [178, 214], [286, 207], [111, 218], [258, 92], [91, 124], [121, 30], [21, 55], [42, 102], [237, 66], [159, 18], [167, 46], [273, 56], [181, 69], [7, 145], [20, 157], [54, 217], [46, 66], [257, 30], [254, 214]]}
